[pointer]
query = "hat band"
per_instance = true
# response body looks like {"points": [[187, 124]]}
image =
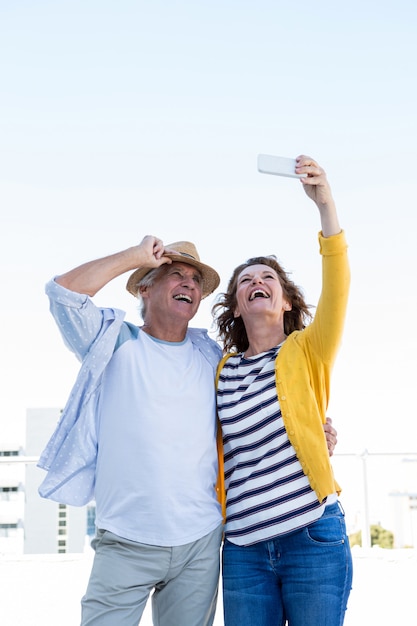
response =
{"points": [[189, 255]]}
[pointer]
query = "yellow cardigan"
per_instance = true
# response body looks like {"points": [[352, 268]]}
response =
{"points": [[302, 374]]}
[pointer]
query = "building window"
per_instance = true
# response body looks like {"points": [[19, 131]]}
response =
{"points": [[62, 546], [62, 528], [8, 493], [8, 530], [9, 525]]}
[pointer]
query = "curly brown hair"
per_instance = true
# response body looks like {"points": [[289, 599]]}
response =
{"points": [[232, 331]]}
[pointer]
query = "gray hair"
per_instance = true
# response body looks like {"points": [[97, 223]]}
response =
{"points": [[147, 281]]}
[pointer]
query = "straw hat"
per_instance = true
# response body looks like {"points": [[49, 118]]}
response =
{"points": [[186, 252]]}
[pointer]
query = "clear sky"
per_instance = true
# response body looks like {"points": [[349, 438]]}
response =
{"points": [[120, 119]]}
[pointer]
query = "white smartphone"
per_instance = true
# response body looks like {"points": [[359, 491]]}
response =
{"points": [[280, 166]]}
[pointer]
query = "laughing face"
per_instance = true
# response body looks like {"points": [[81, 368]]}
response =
{"points": [[176, 293], [259, 291]]}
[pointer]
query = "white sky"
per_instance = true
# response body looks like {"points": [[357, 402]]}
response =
{"points": [[120, 119]]}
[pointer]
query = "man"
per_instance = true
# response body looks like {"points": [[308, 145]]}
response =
{"points": [[138, 435]]}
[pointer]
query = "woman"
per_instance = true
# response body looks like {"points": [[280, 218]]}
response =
{"points": [[286, 555]]}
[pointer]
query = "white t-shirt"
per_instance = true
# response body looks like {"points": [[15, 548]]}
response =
{"points": [[157, 459]]}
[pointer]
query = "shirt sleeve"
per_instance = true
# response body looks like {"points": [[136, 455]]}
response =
{"points": [[77, 317], [325, 332]]}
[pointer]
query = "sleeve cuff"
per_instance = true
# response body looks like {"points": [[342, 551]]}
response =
{"points": [[335, 244], [64, 296]]}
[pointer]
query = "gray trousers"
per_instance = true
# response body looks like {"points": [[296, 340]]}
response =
{"points": [[183, 579]]}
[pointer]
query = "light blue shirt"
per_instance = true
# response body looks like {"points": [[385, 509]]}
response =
{"points": [[91, 333]]}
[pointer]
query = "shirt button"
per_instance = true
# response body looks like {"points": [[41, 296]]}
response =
{"points": [[283, 397]]}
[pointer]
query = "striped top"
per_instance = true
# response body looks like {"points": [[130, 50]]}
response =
{"points": [[267, 491]]}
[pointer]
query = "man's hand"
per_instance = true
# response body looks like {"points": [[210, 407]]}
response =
{"points": [[331, 435], [150, 252], [92, 276]]}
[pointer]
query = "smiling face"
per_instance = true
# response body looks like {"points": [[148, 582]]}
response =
{"points": [[175, 295], [259, 291], [228, 310]]}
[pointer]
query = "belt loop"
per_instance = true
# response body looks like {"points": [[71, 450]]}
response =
{"points": [[342, 510]]}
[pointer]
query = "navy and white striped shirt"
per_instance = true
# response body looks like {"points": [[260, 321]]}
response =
{"points": [[268, 493]]}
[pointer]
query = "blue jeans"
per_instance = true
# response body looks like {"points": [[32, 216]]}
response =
{"points": [[304, 577]]}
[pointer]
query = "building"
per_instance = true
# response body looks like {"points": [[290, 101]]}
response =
{"points": [[11, 500], [404, 505], [30, 524]]}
